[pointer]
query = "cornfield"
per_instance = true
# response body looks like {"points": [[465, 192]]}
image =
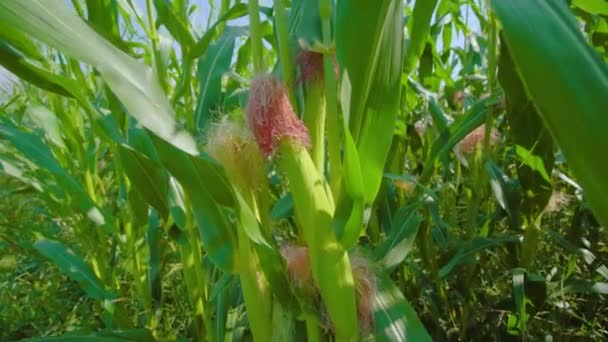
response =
{"points": [[303, 170]]}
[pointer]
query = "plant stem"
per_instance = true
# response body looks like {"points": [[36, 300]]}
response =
{"points": [[330, 265], [224, 7], [314, 119], [256, 290], [256, 36], [155, 53], [333, 123], [282, 28], [313, 333]]}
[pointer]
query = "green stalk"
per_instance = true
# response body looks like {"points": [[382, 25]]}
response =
{"points": [[256, 36], [224, 7], [333, 124], [187, 259], [78, 8], [492, 62], [531, 236], [287, 71], [139, 275], [191, 257], [155, 53], [330, 264], [256, 290], [313, 333], [476, 189], [314, 119]]}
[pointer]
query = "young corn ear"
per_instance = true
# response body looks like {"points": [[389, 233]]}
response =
{"points": [[278, 131], [230, 143], [473, 140], [234, 147], [271, 117], [311, 78], [298, 266]]}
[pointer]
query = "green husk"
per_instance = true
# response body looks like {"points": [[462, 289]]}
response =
{"points": [[330, 264]]}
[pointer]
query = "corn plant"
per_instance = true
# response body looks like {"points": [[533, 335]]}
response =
{"points": [[312, 170]]}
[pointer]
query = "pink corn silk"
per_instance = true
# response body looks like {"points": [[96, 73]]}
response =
{"points": [[298, 264], [271, 117], [311, 66], [475, 139]]}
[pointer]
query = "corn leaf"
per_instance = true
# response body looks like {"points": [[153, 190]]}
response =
{"points": [[211, 67], [567, 81], [237, 11], [16, 63], [208, 190], [149, 178], [46, 120], [174, 23], [34, 149], [75, 338], [592, 6], [529, 132], [74, 267], [379, 68], [400, 241], [419, 26], [155, 245], [394, 317], [102, 15], [470, 248], [359, 23], [305, 22], [54, 23], [20, 42]]}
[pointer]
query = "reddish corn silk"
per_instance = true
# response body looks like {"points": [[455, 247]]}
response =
{"points": [[296, 258], [475, 139], [298, 267], [365, 290], [311, 66], [271, 117], [458, 97]]}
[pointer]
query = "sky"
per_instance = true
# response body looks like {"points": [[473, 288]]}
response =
{"points": [[199, 21]]}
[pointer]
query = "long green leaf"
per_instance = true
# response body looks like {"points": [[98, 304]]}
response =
{"points": [[472, 247], [174, 22], [419, 27], [20, 41], [527, 130], [75, 338], [394, 317], [16, 63], [200, 47], [208, 189], [74, 267], [150, 179], [212, 66], [359, 23], [383, 104], [54, 23], [568, 82], [400, 240], [46, 120], [34, 149]]}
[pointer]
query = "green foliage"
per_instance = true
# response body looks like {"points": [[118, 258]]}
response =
{"points": [[441, 200]]}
